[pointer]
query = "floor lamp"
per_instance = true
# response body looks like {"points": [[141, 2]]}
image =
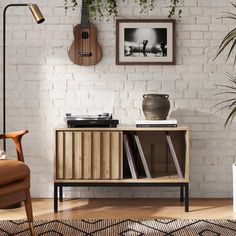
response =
{"points": [[39, 19]]}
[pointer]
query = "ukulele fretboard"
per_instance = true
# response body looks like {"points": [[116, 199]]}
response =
{"points": [[85, 22]]}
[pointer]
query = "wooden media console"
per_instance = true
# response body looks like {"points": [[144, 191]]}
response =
{"points": [[97, 157]]}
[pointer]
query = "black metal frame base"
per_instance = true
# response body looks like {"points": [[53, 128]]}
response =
{"points": [[184, 189]]}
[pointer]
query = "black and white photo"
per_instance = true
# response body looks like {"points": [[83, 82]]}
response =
{"points": [[145, 42]]}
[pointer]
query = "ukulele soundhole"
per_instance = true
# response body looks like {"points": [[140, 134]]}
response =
{"points": [[85, 35]]}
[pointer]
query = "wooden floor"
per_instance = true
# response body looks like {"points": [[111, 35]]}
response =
{"points": [[126, 208]]}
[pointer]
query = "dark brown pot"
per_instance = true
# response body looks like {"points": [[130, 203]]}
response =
{"points": [[156, 106]]}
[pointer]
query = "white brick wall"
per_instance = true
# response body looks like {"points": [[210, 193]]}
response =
{"points": [[39, 73]]}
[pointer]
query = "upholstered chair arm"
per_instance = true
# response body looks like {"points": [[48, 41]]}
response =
{"points": [[16, 137]]}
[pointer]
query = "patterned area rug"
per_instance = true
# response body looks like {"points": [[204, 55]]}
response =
{"points": [[121, 227]]}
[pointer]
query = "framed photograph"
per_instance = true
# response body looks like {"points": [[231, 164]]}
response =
{"points": [[145, 42]]}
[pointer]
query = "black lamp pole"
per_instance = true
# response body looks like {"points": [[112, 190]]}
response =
{"points": [[39, 18], [4, 68]]}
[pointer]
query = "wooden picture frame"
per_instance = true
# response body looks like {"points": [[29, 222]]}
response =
{"points": [[145, 42]]}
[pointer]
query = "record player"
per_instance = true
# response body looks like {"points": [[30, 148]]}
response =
{"points": [[85, 121]]}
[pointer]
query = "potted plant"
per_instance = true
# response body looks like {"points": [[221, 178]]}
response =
{"points": [[229, 41]]}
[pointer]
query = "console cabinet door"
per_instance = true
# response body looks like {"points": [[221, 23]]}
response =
{"points": [[89, 155]]}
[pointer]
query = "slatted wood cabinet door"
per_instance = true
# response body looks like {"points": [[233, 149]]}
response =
{"points": [[89, 155]]}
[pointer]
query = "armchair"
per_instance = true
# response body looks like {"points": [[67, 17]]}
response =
{"points": [[15, 179]]}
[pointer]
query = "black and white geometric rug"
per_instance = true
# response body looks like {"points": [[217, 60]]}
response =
{"points": [[126, 227]]}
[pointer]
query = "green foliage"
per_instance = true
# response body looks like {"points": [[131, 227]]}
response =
{"points": [[229, 41], [229, 103], [173, 9], [230, 38], [145, 5], [95, 7], [101, 8], [74, 4]]}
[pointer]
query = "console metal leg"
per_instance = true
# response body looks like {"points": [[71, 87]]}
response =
{"points": [[181, 194], [186, 198], [55, 198], [61, 193]]}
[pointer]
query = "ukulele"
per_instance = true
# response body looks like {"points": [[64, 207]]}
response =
{"points": [[85, 50]]}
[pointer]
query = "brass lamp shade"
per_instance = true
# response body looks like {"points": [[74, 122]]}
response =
{"points": [[37, 13]]}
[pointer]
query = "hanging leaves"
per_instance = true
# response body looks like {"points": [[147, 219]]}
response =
{"points": [[101, 8], [74, 4], [173, 9], [145, 5]]}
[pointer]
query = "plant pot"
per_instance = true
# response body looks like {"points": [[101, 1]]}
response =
{"points": [[156, 106]]}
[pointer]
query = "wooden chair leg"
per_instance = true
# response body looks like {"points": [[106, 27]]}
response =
{"points": [[31, 226], [29, 212]]}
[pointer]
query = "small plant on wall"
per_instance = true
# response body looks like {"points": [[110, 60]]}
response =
{"points": [[101, 8]]}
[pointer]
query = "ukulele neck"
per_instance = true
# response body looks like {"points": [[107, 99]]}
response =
{"points": [[85, 23]]}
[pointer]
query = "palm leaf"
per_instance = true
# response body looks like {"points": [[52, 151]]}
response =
{"points": [[231, 49], [226, 92], [231, 101], [226, 86], [231, 116], [229, 38], [234, 5], [231, 77], [229, 14], [222, 48], [227, 17], [221, 108], [232, 104], [228, 100]]}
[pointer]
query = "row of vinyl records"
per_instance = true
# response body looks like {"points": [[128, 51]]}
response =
{"points": [[132, 142]]}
